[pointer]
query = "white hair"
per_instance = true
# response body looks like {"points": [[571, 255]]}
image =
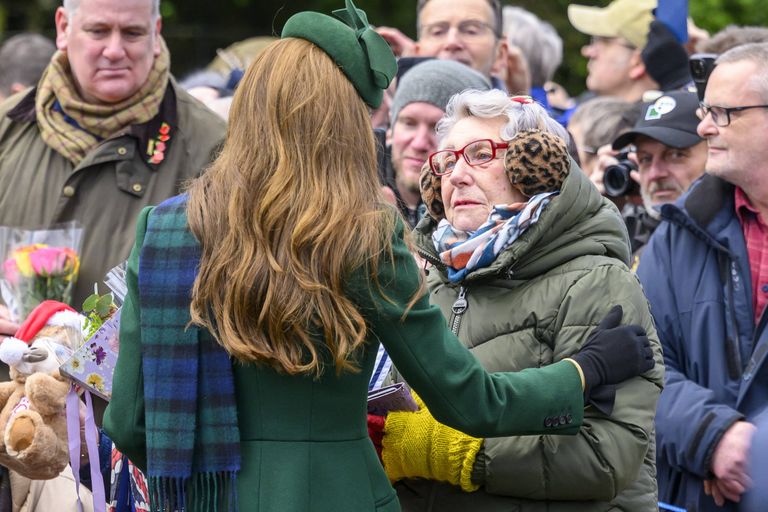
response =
{"points": [[493, 104], [71, 7], [539, 42]]}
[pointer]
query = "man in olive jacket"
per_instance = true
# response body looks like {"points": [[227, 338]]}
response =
{"points": [[104, 133]]}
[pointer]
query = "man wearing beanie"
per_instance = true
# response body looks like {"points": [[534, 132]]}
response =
{"points": [[419, 103], [670, 157]]}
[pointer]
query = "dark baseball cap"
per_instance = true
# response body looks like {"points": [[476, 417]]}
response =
{"points": [[671, 119]]}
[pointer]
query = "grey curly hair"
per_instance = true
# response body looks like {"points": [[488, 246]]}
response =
{"points": [[496, 103]]}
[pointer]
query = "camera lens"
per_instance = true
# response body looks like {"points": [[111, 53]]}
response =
{"points": [[701, 65], [697, 69], [617, 181]]}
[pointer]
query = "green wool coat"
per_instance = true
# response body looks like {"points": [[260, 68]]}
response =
{"points": [[304, 441], [536, 304]]}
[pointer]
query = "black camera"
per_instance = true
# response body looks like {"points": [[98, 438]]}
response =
{"points": [[617, 181], [701, 65]]}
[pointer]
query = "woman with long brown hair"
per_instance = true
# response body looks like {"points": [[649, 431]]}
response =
{"points": [[257, 299]]}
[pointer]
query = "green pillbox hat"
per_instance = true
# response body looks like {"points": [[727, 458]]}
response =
{"points": [[362, 54]]}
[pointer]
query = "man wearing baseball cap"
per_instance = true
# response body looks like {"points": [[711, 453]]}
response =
{"points": [[670, 155], [419, 103], [619, 33]]}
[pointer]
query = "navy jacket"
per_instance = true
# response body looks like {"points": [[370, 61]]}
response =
{"points": [[695, 272]]}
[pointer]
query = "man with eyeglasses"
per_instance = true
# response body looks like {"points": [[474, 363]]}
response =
{"points": [[705, 273], [419, 103], [618, 33], [467, 31]]}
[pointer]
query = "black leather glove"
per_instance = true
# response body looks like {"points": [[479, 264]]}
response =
{"points": [[612, 354]]}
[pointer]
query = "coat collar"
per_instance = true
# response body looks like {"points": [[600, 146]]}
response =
{"points": [[707, 199], [706, 209]]}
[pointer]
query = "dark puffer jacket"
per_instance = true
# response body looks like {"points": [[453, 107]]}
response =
{"points": [[536, 305]]}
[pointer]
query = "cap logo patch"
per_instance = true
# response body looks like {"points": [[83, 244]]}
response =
{"points": [[663, 105]]}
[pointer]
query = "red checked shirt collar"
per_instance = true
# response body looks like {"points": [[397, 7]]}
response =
{"points": [[756, 238]]}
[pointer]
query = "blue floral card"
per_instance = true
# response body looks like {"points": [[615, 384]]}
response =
{"points": [[93, 364]]}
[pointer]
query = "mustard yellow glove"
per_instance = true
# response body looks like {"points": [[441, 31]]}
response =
{"points": [[415, 445]]}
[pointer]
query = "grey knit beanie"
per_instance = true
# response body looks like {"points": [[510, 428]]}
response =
{"points": [[434, 82]]}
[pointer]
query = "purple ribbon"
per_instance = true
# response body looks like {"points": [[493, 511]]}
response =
{"points": [[92, 443]]}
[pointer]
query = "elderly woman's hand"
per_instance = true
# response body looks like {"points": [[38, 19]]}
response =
{"points": [[416, 445]]}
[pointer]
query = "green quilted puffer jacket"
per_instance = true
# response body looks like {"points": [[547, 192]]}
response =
{"points": [[536, 305]]}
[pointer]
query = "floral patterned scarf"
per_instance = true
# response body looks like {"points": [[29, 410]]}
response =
{"points": [[464, 251]]}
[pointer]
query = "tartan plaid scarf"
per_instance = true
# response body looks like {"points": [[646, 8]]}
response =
{"points": [[96, 121], [193, 442], [464, 251]]}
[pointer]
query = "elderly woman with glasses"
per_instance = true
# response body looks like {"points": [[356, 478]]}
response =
{"points": [[527, 258]]}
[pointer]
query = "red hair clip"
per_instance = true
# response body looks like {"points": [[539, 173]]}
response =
{"points": [[525, 100]]}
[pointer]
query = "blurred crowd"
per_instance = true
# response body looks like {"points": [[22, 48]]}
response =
{"points": [[671, 128]]}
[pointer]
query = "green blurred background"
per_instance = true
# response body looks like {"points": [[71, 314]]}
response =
{"points": [[194, 29]]}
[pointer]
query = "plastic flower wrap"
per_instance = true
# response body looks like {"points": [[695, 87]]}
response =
{"points": [[38, 265], [97, 310]]}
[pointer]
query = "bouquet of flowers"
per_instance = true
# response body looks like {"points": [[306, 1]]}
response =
{"points": [[38, 265]]}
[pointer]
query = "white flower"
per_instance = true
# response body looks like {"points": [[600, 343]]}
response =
{"points": [[96, 381], [77, 365]]}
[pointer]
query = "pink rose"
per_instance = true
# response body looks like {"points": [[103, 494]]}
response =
{"points": [[48, 261], [11, 271]]}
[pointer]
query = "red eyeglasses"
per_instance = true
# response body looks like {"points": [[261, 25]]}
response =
{"points": [[475, 153]]}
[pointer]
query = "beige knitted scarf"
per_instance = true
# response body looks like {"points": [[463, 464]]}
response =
{"points": [[97, 121]]}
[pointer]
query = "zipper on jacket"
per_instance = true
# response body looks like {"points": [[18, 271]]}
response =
{"points": [[733, 344], [431, 259], [732, 350], [458, 308]]}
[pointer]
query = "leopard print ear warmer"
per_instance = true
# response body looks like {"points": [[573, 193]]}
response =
{"points": [[536, 162], [429, 184]]}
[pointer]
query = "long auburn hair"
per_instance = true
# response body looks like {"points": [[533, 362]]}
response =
{"points": [[288, 209]]}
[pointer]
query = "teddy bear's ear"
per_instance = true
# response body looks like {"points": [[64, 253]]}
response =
{"points": [[12, 350], [537, 162]]}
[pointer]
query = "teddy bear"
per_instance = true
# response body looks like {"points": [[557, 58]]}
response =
{"points": [[32, 420]]}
